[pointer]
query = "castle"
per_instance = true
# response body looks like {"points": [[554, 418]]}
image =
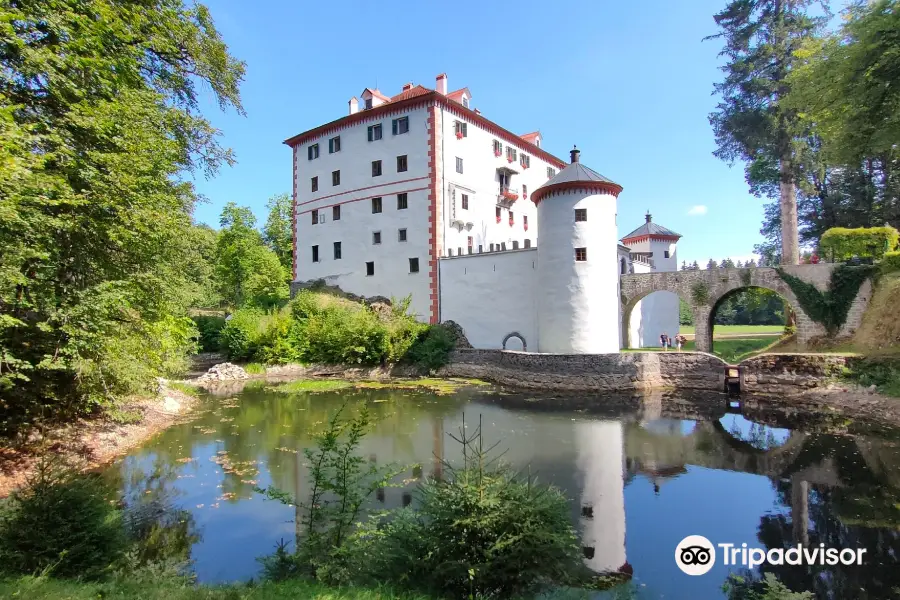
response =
{"points": [[420, 194]]}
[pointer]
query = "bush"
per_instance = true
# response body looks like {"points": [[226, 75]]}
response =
{"points": [[240, 337], [480, 532], [890, 262], [63, 524], [432, 350], [209, 327], [840, 243]]}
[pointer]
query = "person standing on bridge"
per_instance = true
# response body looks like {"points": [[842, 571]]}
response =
{"points": [[663, 340]]}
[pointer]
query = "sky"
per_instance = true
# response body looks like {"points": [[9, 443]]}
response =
{"points": [[629, 83]]}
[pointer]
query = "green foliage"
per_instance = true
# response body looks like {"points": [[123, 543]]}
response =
{"points": [[890, 263], [750, 123], [340, 481], [62, 524], [209, 328], [840, 243], [830, 308], [752, 306], [481, 531], [241, 335], [99, 124], [700, 293], [432, 350], [277, 232], [768, 588], [685, 315], [883, 372]]}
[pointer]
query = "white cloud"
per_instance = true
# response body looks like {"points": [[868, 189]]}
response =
{"points": [[698, 210]]}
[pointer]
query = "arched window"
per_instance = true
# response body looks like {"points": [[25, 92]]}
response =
{"points": [[623, 266]]}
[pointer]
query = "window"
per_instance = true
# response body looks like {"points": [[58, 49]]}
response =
{"points": [[314, 184], [402, 201], [511, 219], [315, 217], [414, 265], [337, 251], [376, 205], [622, 267], [401, 235], [492, 247], [461, 129], [525, 161], [313, 152], [465, 203], [400, 126], [550, 172], [498, 148], [666, 254], [525, 222], [580, 214], [336, 213], [315, 253], [370, 269], [402, 164], [510, 154], [581, 254], [375, 132], [503, 246], [376, 237], [466, 101], [335, 178], [524, 192], [528, 243], [334, 145], [459, 165], [499, 214], [376, 168], [368, 103], [515, 245], [470, 242]]}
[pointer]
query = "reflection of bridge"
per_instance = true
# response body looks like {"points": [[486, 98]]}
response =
{"points": [[704, 290]]}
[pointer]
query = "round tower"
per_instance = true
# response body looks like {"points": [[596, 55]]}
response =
{"points": [[578, 277]]}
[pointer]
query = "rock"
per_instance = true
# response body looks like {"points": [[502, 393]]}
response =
{"points": [[223, 372], [457, 332], [170, 404]]}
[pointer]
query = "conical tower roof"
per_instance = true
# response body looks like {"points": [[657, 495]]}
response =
{"points": [[651, 230], [576, 176]]}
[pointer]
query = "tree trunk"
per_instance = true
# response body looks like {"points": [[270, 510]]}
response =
{"points": [[790, 249]]}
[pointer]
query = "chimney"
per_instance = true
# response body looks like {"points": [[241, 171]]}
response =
{"points": [[441, 84], [354, 105], [477, 112], [407, 86], [648, 216], [575, 153]]}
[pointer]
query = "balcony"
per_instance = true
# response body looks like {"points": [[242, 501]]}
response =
{"points": [[507, 195]]}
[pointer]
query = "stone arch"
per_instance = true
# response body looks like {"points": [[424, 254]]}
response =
{"points": [[705, 315], [630, 303], [516, 334]]}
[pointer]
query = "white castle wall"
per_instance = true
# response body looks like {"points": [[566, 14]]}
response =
{"points": [[601, 464], [491, 295], [358, 223], [578, 307]]}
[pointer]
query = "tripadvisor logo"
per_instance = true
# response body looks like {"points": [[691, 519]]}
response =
{"points": [[696, 555]]}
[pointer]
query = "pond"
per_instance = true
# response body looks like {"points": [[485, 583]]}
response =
{"points": [[642, 473]]}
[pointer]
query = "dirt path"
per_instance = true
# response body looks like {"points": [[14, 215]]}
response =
{"points": [[89, 443]]}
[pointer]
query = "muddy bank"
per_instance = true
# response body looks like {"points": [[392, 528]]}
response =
{"points": [[88, 443]]}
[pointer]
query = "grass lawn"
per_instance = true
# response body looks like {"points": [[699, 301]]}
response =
{"points": [[732, 351], [735, 329]]}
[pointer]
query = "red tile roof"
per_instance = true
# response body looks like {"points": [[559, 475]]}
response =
{"points": [[530, 137], [410, 93], [458, 94], [376, 93]]}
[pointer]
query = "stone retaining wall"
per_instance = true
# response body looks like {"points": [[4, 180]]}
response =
{"points": [[785, 374], [590, 372], [770, 374]]}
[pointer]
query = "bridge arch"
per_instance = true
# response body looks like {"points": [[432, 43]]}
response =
{"points": [[716, 304], [628, 310]]}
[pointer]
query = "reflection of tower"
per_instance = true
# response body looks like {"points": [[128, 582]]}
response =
{"points": [[601, 461], [437, 441]]}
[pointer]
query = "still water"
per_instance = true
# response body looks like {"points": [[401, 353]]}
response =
{"points": [[642, 473]]}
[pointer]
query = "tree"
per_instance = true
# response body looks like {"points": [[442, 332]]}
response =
{"points": [[695, 266], [726, 264], [277, 231], [684, 266], [750, 123], [712, 264], [100, 121]]}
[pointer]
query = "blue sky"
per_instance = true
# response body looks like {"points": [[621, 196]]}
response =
{"points": [[629, 83]]}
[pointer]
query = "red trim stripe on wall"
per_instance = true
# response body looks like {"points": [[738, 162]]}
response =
{"points": [[309, 210], [371, 187], [433, 248]]}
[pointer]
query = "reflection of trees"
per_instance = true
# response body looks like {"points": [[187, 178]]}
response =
{"points": [[863, 514]]}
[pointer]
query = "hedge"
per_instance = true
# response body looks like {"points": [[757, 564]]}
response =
{"points": [[891, 262], [840, 243]]}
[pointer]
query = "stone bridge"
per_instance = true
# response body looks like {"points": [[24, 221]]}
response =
{"points": [[704, 290]]}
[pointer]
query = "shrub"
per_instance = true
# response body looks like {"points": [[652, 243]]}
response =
{"points": [[62, 523], [241, 334], [432, 350], [209, 327], [767, 588], [840, 243], [890, 262], [481, 531]]}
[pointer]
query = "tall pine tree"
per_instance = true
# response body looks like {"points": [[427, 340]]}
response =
{"points": [[749, 122]]}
